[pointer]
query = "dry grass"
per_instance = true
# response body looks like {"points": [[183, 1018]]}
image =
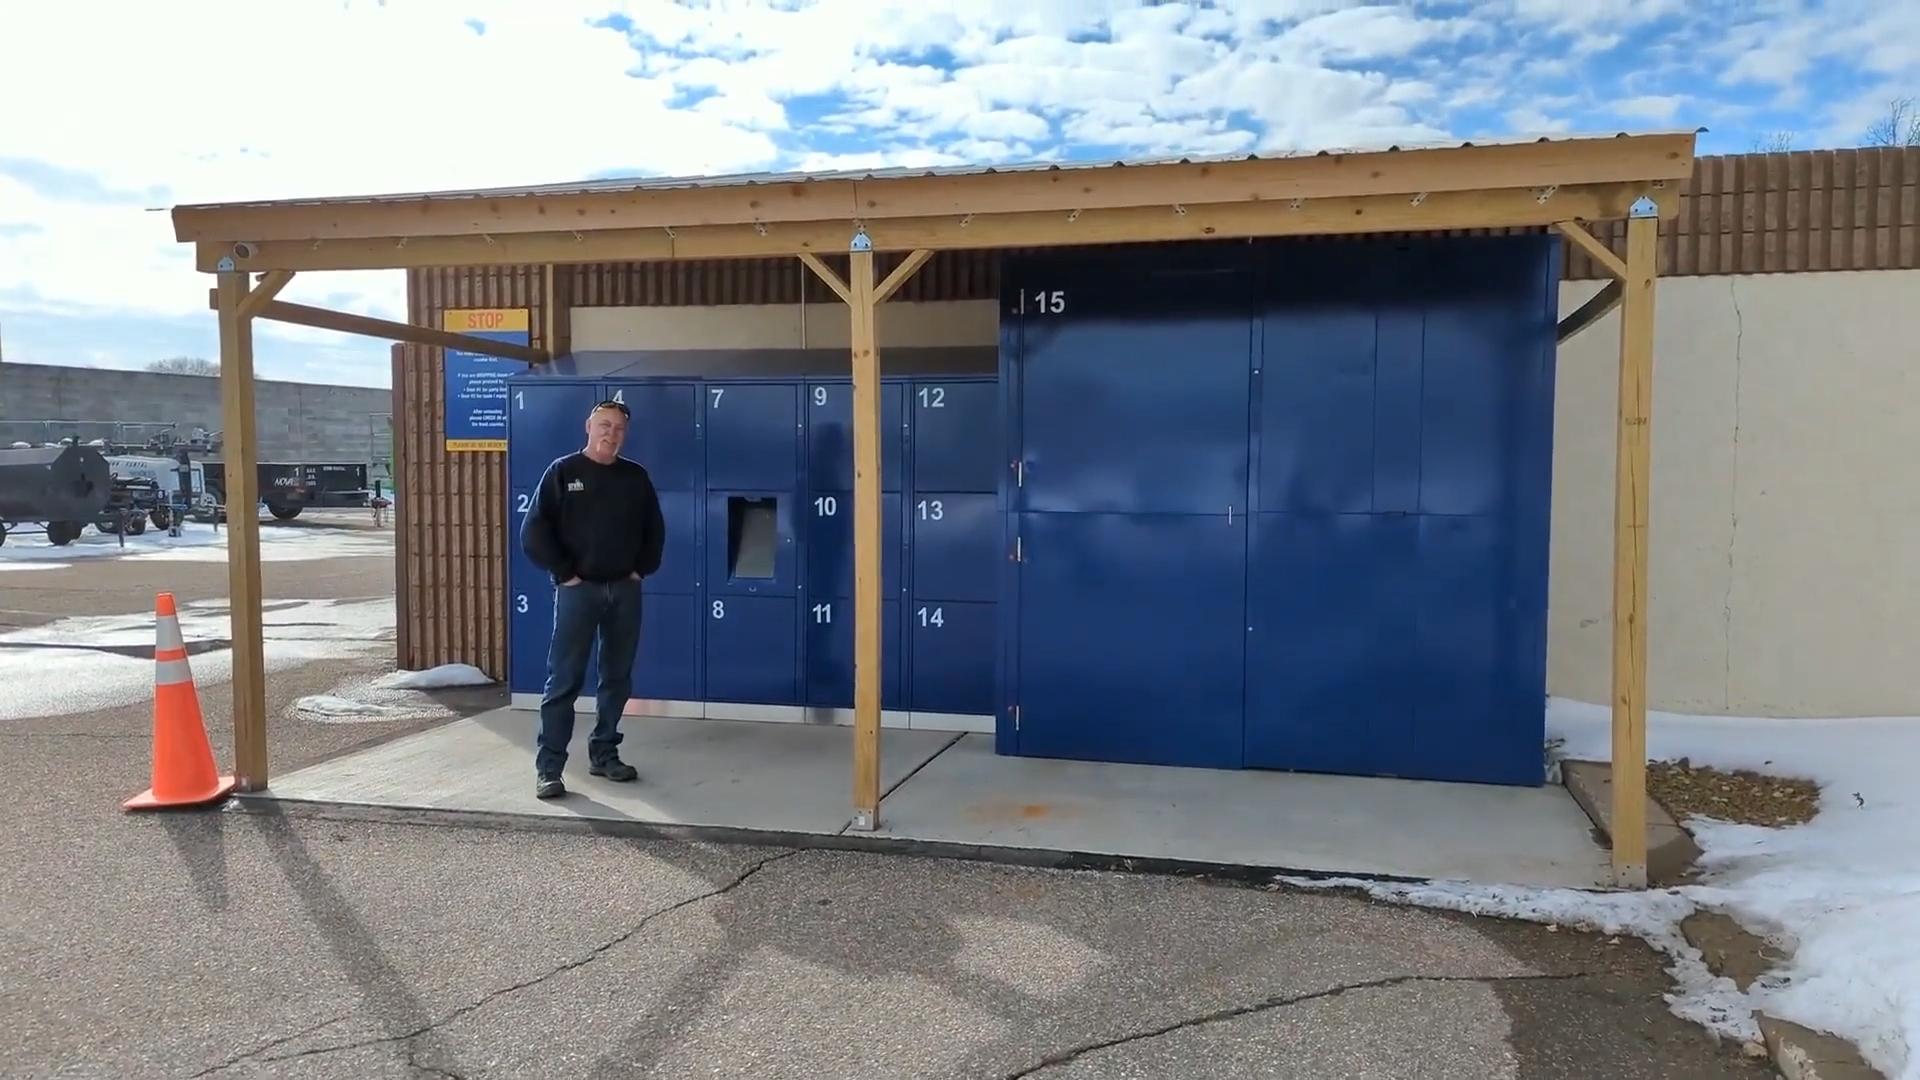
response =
{"points": [[1742, 796]]}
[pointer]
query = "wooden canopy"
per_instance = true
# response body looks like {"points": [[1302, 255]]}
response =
{"points": [[1563, 183]]}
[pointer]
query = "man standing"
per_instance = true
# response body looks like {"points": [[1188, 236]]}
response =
{"points": [[595, 525]]}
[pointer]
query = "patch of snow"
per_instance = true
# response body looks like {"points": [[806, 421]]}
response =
{"points": [[330, 709], [444, 677], [1841, 892], [197, 543], [62, 668]]}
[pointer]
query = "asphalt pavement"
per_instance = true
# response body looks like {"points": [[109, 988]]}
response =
{"points": [[221, 944]]}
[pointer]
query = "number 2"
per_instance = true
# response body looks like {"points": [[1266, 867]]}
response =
{"points": [[819, 395], [522, 503], [716, 392], [719, 609], [933, 397]]}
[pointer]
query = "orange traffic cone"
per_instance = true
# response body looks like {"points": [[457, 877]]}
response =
{"points": [[183, 770]]}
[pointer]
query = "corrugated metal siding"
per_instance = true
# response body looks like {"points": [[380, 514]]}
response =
{"points": [[1748, 214], [1787, 213], [451, 518]]}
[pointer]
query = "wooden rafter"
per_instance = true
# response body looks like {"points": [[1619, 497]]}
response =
{"points": [[367, 326], [765, 202], [1503, 208]]}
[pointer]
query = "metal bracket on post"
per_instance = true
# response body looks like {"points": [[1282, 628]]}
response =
{"points": [[861, 242], [225, 265], [863, 821], [1643, 207]]}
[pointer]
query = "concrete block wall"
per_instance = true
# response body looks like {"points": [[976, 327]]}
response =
{"points": [[294, 421]]}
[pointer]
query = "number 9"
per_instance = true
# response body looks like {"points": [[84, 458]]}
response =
{"points": [[819, 395]]}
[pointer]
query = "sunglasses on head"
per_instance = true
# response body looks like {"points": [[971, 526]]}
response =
{"points": [[612, 404]]}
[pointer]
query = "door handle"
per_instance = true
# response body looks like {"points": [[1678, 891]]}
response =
{"points": [[1229, 513]]}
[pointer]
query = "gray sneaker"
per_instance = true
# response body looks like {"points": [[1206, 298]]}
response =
{"points": [[549, 787]]}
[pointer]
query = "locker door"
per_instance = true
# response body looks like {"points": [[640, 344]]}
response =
{"points": [[1134, 432], [530, 632], [529, 625], [956, 435], [752, 650], [749, 543], [753, 435], [680, 561], [830, 545], [958, 548], [830, 435], [829, 654], [1332, 665], [545, 420], [667, 663], [953, 646], [664, 434]]}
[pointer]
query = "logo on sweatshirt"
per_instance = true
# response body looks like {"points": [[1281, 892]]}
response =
{"points": [[575, 485]]}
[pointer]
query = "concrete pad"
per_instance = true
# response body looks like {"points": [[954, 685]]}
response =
{"points": [[1286, 821], [715, 774]]}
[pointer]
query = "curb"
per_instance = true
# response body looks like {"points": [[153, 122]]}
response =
{"points": [[1799, 1053], [1671, 851], [1728, 949]]}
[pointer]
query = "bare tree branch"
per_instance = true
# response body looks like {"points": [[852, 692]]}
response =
{"points": [[1773, 142], [1900, 127], [185, 365]]}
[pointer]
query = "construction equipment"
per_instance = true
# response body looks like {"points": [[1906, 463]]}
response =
{"points": [[59, 488]]}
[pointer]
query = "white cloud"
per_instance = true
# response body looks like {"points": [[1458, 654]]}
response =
{"points": [[209, 100]]}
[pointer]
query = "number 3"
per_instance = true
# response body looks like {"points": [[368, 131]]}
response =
{"points": [[520, 603]]}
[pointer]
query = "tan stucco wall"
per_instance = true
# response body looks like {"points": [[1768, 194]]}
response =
{"points": [[1785, 527], [783, 326], [1785, 531]]}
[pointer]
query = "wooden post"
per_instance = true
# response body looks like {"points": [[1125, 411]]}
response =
{"points": [[556, 310], [866, 541], [1632, 474], [242, 457], [863, 297]]}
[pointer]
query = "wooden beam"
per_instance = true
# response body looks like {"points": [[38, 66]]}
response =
{"points": [[1632, 472], [242, 456], [825, 273], [745, 201], [556, 310], [908, 267], [367, 326], [264, 291], [866, 544], [1595, 250], [1503, 208], [1595, 309]]}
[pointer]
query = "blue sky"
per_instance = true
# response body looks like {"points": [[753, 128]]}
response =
{"points": [[89, 274]]}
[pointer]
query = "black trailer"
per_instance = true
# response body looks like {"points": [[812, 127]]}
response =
{"points": [[287, 488], [60, 489]]}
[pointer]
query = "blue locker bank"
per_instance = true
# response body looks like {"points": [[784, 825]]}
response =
{"points": [[1277, 505]]}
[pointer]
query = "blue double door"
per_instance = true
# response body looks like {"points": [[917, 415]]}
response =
{"points": [[1291, 515]]}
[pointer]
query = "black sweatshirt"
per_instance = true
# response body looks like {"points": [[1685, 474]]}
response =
{"points": [[595, 522]]}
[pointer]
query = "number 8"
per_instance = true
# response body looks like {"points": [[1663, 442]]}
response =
{"points": [[719, 609]]}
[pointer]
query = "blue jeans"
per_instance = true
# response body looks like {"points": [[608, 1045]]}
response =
{"points": [[583, 613]]}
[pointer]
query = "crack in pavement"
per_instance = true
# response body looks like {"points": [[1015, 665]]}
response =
{"points": [[1064, 1057], [274, 1044], [491, 996]]}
